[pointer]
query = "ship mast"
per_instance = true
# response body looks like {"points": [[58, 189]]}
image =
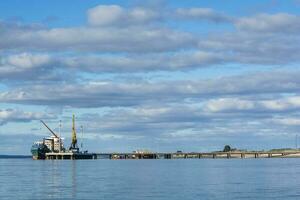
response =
{"points": [[81, 146], [60, 136], [74, 138]]}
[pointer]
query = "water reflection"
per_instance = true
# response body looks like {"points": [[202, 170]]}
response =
{"points": [[55, 179], [74, 178], [60, 179]]}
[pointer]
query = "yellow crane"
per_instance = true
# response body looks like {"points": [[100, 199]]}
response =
{"points": [[74, 138]]}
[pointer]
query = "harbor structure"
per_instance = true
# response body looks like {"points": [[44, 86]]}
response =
{"points": [[201, 155], [53, 147]]}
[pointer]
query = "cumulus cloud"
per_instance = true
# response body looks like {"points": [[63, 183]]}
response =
{"points": [[18, 63], [241, 105], [109, 39], [14, 65], [15, 115], [288, 103], [32, 68], [275, 23], [110, 15], [202, 14], [184, 122], [70, 67], [52, 67], [144, 121], [27, 60], [222, 104], [105, 15], [142, 63], [266, 48], [111, 93], [258, 47], [288, 121]]}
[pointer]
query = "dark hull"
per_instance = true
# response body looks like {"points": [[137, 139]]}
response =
{"points": [[39, 151]]}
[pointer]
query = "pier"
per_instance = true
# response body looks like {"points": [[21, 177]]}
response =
{"points": [[177, 155], [203, 155], [70, 156]]}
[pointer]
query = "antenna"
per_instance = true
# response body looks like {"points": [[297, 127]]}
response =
{"points": [[296, 141], [81, 127], [59, 130]]}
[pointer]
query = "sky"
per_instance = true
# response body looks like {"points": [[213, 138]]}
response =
{"points": [[150, 75]]}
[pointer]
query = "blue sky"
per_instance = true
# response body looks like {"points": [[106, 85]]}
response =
{"points": [[157, 75]]}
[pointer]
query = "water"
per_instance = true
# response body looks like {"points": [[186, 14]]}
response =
{"points": [[150, 179]]}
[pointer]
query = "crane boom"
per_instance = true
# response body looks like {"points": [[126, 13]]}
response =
{"points": [[49, 129]]}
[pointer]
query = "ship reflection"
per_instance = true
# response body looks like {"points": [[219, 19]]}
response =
{"points": [[74, 179], [62, 183]]}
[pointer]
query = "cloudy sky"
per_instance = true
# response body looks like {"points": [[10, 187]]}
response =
{"points": [[158, 75]]}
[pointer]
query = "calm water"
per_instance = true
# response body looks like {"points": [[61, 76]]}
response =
{"points": [[150, 179]]}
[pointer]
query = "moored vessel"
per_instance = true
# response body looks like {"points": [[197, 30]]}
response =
{"points": [[53, 147]]}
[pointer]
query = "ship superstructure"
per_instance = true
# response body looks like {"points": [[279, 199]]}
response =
{"points": [[54, 142]]}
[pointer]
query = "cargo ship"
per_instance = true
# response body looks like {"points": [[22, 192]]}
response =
{"points": [[53, 147]]}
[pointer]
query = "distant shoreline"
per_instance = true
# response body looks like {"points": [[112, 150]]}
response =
{"points": [[14, 156]]}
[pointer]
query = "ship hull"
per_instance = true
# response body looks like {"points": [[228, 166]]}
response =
{"points": [[39, 151]]}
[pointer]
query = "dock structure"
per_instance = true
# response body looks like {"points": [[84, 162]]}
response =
{"points": [[53, 149], [197, 155], [70, 156], [181, 155]]}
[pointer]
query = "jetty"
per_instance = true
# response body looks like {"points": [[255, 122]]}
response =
{"points": [[176, 155], [70, 156], [201, 155]]}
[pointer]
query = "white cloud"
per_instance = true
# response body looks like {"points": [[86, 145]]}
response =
{"points": [[105, 15], [287, 103], [109, 39], [17, 63], [140, 39], [275, 105], [142, 63], [229, 104], [202, 14], [288, 121], [111, 15], [16, 115], [112, 93], [235, 105], [280, 22], [27, 60]]}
